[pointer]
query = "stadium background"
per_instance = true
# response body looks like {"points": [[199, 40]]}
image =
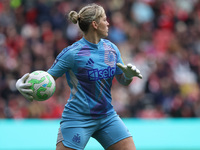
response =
{"points": [[162, 38]]}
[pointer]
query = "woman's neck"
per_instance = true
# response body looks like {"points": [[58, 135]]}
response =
{"points": [[93, 38]]}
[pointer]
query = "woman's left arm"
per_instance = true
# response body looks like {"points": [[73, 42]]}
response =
{"points": [[122, 80]]}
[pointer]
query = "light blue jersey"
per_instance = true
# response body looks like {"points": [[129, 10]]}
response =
{"points": [[89, 70]]}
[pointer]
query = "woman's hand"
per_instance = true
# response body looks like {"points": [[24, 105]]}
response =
{"points": [[130, 71], [24, 88]]}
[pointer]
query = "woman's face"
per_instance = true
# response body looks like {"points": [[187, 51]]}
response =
{"points": [[102, 28]]}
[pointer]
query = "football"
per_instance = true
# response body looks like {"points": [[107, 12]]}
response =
{"points": [[43, 85]]}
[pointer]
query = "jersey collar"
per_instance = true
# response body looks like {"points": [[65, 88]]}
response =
{"points": [[91, 44]]}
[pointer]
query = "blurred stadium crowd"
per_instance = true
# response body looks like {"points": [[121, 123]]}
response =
{"points": [[160, 37]]}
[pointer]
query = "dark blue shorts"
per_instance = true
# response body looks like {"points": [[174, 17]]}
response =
{"points": [[107, 131]]}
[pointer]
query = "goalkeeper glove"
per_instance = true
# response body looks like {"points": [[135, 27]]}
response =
{"points": [[24, 88], [129, 71]]}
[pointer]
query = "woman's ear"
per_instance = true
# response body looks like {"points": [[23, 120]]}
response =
{"points": [[94, 24]]}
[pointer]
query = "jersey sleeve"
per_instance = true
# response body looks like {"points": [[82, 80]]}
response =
{"points": [[119, 60], [64, 62]]}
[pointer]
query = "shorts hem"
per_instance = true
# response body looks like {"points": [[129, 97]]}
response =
{"points": [[70, 146]]}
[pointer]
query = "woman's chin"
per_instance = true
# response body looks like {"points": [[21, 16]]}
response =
{"points": [[104, 36]]}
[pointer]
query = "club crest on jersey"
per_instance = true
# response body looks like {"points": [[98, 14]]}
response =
{"points": [[110, 57], [98, 74]]}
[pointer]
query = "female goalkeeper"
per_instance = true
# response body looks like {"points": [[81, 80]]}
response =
{"points": [[90, 65]]}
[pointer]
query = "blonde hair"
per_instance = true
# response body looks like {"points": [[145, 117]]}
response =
{"points": [[86, 15]]}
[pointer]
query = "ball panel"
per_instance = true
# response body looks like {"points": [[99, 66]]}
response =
{"points": [[50, 83], [40, 96], [36, 81]]}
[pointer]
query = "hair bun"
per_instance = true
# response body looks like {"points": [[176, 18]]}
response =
{"points": [[73, 16]]}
